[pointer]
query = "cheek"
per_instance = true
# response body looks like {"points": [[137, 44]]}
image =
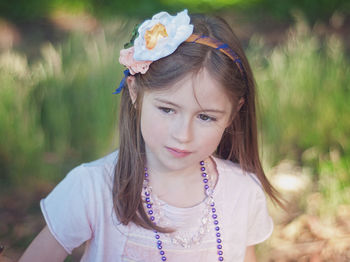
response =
{"points": [[212, 139], [153, 129]]}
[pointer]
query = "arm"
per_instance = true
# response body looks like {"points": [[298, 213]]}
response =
{"points": [[250, 254], [44, 248]]}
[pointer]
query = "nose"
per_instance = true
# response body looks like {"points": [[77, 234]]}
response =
{"points": [[182, 130]]}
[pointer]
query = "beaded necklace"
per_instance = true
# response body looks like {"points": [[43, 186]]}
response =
{"points": [[180, 236], [208, 191]]}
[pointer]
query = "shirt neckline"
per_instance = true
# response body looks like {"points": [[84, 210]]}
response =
{"points": [[217, 188]]}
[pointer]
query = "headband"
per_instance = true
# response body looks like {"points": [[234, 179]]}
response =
{"points": [[160, 37], [218, 45]]}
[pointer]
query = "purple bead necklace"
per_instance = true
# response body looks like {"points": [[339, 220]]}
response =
{"points": [[208, 191]]}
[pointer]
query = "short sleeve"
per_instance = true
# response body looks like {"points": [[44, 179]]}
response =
{"points": [[66, 210], [260, 223]]}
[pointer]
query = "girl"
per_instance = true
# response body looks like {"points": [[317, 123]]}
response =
{"points": [[186, 183]]}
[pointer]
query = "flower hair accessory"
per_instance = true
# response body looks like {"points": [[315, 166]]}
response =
{"points": [[160, 37], [156, 38], [127, 58]]}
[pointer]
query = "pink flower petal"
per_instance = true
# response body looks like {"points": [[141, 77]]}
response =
{"points": [[126, 58]]}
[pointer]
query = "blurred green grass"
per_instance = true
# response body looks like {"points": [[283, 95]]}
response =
{"points": [[314, 10], [304, 94], [304, 90], [59, 110]]}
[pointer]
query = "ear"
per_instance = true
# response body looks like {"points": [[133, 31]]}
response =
{"points": [[240, 104], [132, 88]]}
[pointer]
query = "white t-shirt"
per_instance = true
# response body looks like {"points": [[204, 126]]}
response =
{"points": [[80, 209]]}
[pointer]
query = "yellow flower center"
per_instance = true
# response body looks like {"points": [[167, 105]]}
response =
{"points": [[154, 34]]}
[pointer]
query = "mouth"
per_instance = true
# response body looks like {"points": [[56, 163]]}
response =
{"points": [[178, 152]]}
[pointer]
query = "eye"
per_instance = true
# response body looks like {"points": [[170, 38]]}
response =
{"points": [[166, 110], [206, 118]]}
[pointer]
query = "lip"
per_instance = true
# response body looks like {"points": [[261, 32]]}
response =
{"points": [[178, 153]]}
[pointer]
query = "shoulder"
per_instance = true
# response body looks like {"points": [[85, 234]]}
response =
{"points": [[235, 177], [244, 202], [102, 168], [84, 194], [91, 178], [87, 177], [105, 163]]}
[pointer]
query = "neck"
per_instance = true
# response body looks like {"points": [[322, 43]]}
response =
{"points": [[183, 187], [184, 175]]}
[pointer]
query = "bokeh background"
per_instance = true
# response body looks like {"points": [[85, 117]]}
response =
{"points": [[59, 67]]}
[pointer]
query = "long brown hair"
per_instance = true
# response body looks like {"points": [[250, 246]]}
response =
{"points": [[239, 142]]}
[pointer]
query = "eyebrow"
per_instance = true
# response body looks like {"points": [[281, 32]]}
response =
{"points": [[177, 106]]}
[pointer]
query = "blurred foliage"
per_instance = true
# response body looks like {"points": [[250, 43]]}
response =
{"points": [[33, 9], [334, 183], [314, 10], [304, 85], [304, 92], [20, 136], [60, 110]]}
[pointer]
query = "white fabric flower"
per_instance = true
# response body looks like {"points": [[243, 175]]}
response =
{"points": [[160, 36]]}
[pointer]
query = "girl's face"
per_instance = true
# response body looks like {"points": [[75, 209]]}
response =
{"points": [[183, 125]]}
